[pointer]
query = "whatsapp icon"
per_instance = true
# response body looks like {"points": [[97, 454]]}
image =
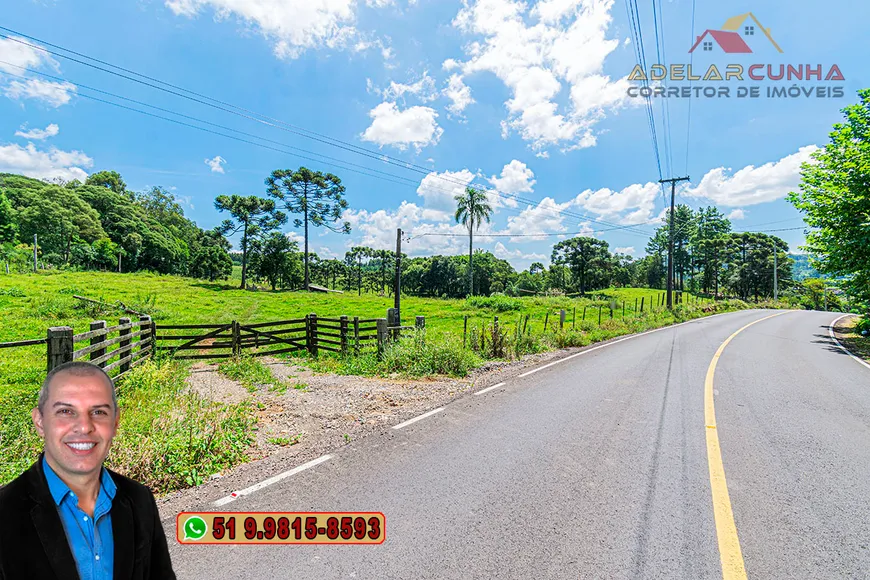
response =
{"points": [[194, 528]]}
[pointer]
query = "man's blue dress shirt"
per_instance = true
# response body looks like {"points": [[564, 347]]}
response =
{"points": [[92, 545]]}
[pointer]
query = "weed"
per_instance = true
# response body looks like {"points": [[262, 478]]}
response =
{"points": [[285, 441], [251, 373], [346, 438]]}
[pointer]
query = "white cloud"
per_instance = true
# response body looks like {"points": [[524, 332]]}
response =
{"points": [[533, 53], [292, 26], [38, 134], [424, 89], [326, 252], [542, 218], [737, 214], [378, 230], [515, 178], [415, 126], [52, 93], [631, 205], [17, 55], [752, 185], [625, 250], [439, 190], [49, 164], [459, 95], [216, 163]]}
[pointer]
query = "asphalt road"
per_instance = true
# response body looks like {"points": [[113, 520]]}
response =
{"points": [[597, 467]]}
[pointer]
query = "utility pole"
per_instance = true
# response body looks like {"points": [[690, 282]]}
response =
{"points": [[34, 252], [398, 291], [673, 182], [119, 262], [775, 286]]}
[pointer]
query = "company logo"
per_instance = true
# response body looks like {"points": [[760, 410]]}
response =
{"points": [[737, 76], [736, 36]]}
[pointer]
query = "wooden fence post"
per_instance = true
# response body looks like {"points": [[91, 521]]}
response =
{"points": [[356, 334], [623, 308], [611, 310], [312, 334], [584, 313], [343, 334], [393, 320], [546, 321], [641, 303], [464, 331], [97, 325], [561, 319], [600, 308], [124, 344], [60, 346], [382, 336], [635, 305], [420, 325], [574, 319], [236, 346], [152, 336], [526, 323]]}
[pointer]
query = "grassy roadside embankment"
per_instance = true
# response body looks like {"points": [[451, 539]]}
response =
{"points": [[171, 438]]}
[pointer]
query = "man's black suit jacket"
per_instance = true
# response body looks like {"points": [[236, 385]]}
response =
{"points": [[33, 543]]}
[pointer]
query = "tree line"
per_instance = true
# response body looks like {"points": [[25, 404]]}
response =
{"points": [[93, 225]]}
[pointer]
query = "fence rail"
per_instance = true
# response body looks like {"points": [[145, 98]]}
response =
{"points": [[122, 347]]}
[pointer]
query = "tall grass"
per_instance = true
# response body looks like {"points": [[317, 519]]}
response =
{"points": [[168, 438]]}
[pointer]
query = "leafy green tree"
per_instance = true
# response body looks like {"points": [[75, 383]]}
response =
{"points": [[252, 216], [278, 263], [472, 209], [106, 253], [587, 258], [318, 196], [707, 243], [834, 196], [211, 263], [108, 179], [8, 224]]}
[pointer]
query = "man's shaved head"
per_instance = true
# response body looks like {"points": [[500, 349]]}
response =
{"points": [[78, 369]]}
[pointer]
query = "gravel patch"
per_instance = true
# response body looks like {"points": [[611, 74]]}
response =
{"points": [[324, 413]]}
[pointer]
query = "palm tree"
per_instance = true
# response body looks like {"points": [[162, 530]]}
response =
{"points": [[472, 208]]}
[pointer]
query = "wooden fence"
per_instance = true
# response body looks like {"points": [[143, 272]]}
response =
{"points": [[312, 334], [134, 340]]}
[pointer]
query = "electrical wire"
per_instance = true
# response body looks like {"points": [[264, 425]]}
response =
{"points": [[239, 111]]}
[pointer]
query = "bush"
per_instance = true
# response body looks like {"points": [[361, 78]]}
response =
{"points": [[442, 357], [497, 302], [171, 438], [863, 325]]}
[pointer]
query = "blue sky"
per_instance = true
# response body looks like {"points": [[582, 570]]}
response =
{"points": [[526, 99]]}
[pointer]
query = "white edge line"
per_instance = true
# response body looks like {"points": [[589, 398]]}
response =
{"points": [[576, 354], [482, 391], [415, 419], [267, 482], [843, 348]]}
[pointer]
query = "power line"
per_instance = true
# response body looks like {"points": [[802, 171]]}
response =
{"points": [[691, 61], [228, 108]]}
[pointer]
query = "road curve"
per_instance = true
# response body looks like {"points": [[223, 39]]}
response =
{"points": [[597, 467]]}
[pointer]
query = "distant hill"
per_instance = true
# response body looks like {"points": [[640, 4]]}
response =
{"points": [[802, 268]]}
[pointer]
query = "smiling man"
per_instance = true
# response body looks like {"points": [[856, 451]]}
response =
{"points": [[68, 517]]}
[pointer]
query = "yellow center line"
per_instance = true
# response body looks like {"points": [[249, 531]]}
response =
{"points": [[726, 531]]}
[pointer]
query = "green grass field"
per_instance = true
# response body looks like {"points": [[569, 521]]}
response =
{"points": [[216, 436]]}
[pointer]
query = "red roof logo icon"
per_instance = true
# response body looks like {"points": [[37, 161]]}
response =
{"points": [[733, 36]]}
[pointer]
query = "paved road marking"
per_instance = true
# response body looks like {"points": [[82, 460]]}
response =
{"points": [[267, 482], [482, 391], [843, 348], [415, 419], [726, 531], [582, 352]]}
